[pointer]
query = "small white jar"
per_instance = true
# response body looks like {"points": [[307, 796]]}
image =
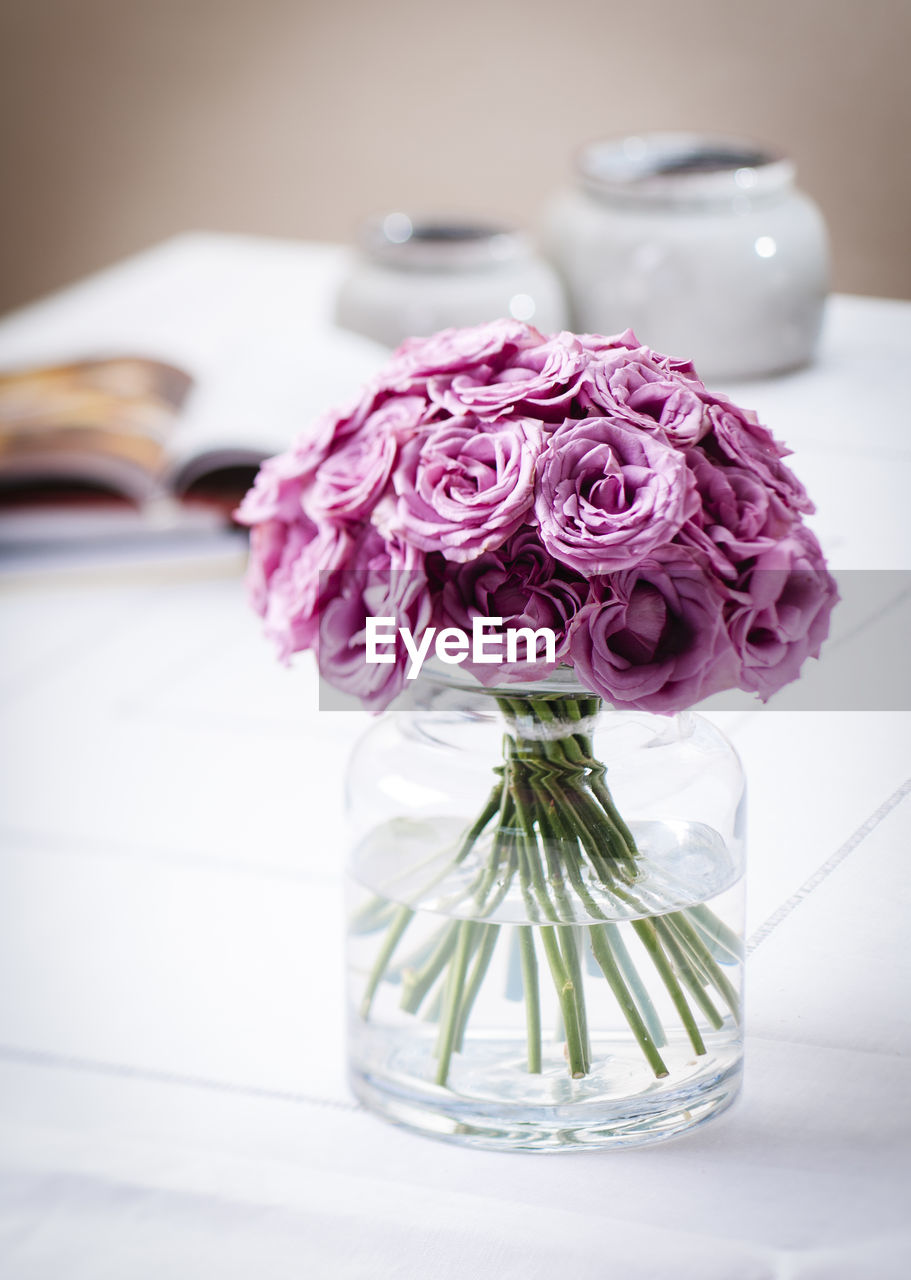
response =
{"points": [[702, 245], [413, 277]]}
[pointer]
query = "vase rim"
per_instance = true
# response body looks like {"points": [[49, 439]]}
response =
{"points": [[562, 681]]}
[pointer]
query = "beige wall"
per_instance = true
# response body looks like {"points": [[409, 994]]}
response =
{"points": [[127, 120]]}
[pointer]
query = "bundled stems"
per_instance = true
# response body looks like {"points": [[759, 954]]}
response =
{"points": [[551, 825]]}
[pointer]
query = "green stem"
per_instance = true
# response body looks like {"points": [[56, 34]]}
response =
{"points": [[474, 831], [434, 1006], [483, 956], [532, 852], [566, 996], [531, 908], [692, 940], [601, 790], [569, 945], [390, 942], [555, 853], [607, 962], [453, 1001], [416, 985], [501, 843], [414, 961], [716, 931], [645, 929], [688, 974], [622, 856], [605, 869], [564, 963], [633, 980], [554, 835], [532, 997], [372, 915], [489, 907]]}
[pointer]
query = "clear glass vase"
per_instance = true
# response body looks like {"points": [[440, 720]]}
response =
{"points": [[546, 918]]}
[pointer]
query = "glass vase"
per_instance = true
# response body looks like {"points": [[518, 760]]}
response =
{"points": [[545, 918]]}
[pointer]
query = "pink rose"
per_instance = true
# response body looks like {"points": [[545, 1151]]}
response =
{"points": [[520, 583], [458, 350], [782, 612], [743, 441], [654, 637], [539, 381], [290, 564], [646, 390], [277, 492], [740, 517], [388, 582], [462, 486], [267, 544], [352, 477], [608, 494], [598, 345]]}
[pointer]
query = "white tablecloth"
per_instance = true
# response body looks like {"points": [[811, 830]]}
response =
{"points": [[172, 1088]]}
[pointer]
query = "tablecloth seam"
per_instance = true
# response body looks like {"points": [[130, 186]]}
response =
{"points": [[153, 1075], [825, 870], [14, 839]]}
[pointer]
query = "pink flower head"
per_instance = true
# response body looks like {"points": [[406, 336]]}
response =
{"points": [[740, 517], [580, 483], [599, 346], [283, 483], [350, 480], [608, 495], [654, 636], [454, 351], [782, 612], [389, 581], [293, 569], [647, 391], [522, 584], [277, 492], [539, 381], [743, 441], [462, 487]]}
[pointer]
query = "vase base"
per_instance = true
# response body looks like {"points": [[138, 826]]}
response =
{"points": [[623, 1123]]}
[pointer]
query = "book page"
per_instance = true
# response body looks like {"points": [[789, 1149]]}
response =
{"points": [[101, 424], [247, 319], [267, 395]]}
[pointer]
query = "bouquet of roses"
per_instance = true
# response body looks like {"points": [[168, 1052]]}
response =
{"points": [[577, 483]]}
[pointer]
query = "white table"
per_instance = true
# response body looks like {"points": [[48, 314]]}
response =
{"points": [[172, 1091]]}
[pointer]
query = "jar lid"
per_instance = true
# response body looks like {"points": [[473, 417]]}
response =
{"points": [[671, 168], [404, 243]]}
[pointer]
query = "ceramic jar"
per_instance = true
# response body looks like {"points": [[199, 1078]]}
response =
{"points": [[704, 246], [413, 277]]}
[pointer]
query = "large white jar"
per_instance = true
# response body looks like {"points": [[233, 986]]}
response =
{"points": [[702, 245]]}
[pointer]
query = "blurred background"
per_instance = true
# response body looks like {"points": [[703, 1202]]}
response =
{"points": [[125, 121]]}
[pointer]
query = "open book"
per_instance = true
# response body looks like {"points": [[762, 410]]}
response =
{"points": [[143, 399], [105, 426]]}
